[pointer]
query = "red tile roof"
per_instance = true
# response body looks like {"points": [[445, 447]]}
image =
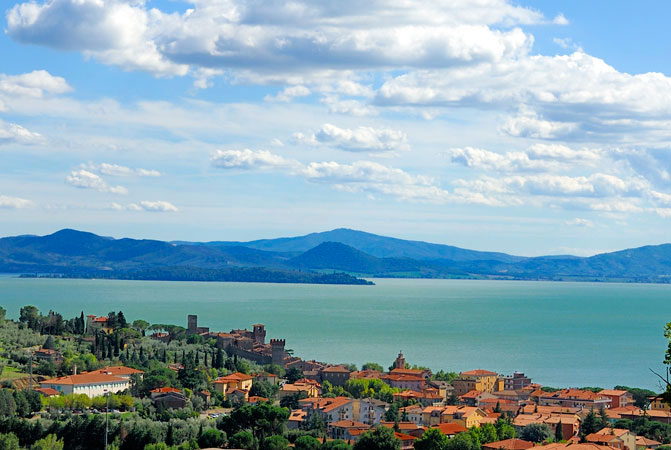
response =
{"points": [[117, 370], [509, 444], [165, 390], [450, 429], [478, 372], [85, 378]]}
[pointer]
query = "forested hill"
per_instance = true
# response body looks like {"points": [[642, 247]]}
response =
{"points": [[331, 257]]}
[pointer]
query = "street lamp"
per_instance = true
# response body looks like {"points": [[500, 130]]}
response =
{"points": [[107, 411]]}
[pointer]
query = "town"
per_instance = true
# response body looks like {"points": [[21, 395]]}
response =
{"points": [[95, 381]]}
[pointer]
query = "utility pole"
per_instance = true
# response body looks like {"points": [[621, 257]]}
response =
{"points": [[31, 370], [107, 420]]}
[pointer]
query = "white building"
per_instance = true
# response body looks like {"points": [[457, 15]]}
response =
{"points": [[91, 384]]}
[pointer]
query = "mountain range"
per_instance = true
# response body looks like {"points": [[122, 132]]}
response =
{"points": [[337, 256]]}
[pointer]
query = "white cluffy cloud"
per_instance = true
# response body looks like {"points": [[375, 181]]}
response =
{"points": [[116, 170], [537, 158], [289, 93], [7, 202], [278, 36], [359, 176], [580, 222], [149, 206], [88, 180], [361, 139], [11, 133], [34, 84]]}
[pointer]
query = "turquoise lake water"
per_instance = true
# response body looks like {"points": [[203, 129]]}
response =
{"points": [[560, 334]]}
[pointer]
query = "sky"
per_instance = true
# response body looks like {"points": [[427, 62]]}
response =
{"points": [[530, 127]]}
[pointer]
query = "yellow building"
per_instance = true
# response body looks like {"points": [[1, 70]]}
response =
{"points": [[240, 381], [289, 389], [477, 380], [659, 404], [466, 416]]}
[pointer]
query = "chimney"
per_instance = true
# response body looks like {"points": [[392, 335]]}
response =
{"points": [[74, 370]]}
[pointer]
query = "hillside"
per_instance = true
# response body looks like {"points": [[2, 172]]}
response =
{"points": [[82, 254]]}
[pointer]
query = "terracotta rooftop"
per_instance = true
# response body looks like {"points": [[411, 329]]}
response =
{"points": [[165, 390], [47, 391], [234, 377], [349, 424], [85, 378], [325, 404], [117, 370], [336, 369], [478, 373], [613, 392], [450, 429], [509, 444]]}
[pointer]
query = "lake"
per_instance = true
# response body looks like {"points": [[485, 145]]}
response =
{"points": [[559, 334]]}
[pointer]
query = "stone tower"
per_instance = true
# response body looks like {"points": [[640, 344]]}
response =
{"points": [[259, 334], [277, 346], [192, 324], [400, 361]]}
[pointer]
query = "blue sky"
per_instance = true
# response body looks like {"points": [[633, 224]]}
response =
{"points": [[525, 127]]}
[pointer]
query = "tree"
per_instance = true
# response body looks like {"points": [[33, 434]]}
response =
{"points": [[432, 439], [211, 438], [336, 444], [243, 440], [559, 432], [292, 401], [504, 429], [9, 441], [372, 366], [536, 432], [219, 362], [590, 424], [380, 438], [49, 343], [3, 313], [275, 443], [140, 325], [294, 374], [463, 441], [30, 316], [307, 442], [50, 442], [264, 389]]}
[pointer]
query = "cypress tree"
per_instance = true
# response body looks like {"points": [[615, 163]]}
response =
{"points": [[559, 432], [219, 363], [197, 361]]}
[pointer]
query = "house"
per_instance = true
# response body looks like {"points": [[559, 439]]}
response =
{"points": [[606, 439], [405, 427], [428, 397], [163, 390], [119, 371], [652, 414], [91, 384], [367, 374], [477, 380], [205, 395], [412, 413], [407, 441], [235, 380], [474, 398], [575, 446], [515, 382], [95, 324], [570, 423], [329, 409], [575, 398], [615, 414], [643, 443], [618, 398], [47, 392], [509, 444], [267, 377], [48, 355], [342, 429], [403, 381], [490, 404], [467, 416], [170, 400], [336, 375], [628, 438], [237, 395], [369, 410], [310, 389], [659, 404], [296, 419], [255, 400], [160, 336], [450, 429]]}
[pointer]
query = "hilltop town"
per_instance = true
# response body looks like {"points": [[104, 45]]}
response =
{"points": [[152, 380]]}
